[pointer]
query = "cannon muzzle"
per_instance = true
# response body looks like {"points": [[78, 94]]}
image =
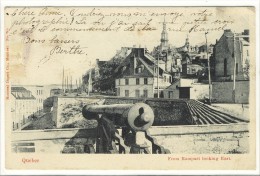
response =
{"points": [[138, 116]]}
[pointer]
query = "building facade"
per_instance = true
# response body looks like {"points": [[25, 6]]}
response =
{"points": [[23, 106], [232, 56], [138, 76], [40, 95], [181, 61], [187, 89]]}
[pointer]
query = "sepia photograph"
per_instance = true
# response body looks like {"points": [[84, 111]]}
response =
{"points": [[87, 82]]}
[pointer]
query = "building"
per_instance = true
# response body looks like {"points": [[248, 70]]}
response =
{"points": [[231, 56], [40, 95], [181, 61], [168, 53], [187, 89], [191, 69], [23, 106], [137, 75], [101, 78], [231, 60]]}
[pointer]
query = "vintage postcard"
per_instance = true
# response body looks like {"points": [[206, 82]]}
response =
{"points": [[130, 88]]}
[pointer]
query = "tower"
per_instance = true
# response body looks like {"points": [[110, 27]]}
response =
{"points": [[187, 43], [164, 36]]}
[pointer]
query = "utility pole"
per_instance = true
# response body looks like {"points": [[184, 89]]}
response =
{"points": [[67, 84], [80, 85], [209, 77], [89, 79], [158, 96], [63, 81], [235, 64]]}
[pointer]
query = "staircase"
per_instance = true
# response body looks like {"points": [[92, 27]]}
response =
{"points": [[203, 114]]}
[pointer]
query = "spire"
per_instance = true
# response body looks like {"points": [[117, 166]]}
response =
{"points": [[164, 35], [187, 40], [164, 24], [187, 43]]}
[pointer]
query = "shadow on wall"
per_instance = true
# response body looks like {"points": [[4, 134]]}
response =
{"points": [[48, 104], [83, 142]]}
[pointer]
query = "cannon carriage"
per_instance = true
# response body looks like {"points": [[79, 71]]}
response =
{"points": [[123, 128]]}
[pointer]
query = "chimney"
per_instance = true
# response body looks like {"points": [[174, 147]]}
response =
{"points": [[246, 32], [97, 61], [227, 30]]}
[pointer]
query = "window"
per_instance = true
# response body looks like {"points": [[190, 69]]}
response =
{"points": [[137, 93], [118, 81], [126, 81], [145, 81], [118, 91], [225, 67], [236, 68], [145, 93], [164, 78], [126, 93], [139, 70], [170, 94], [137, 81]]}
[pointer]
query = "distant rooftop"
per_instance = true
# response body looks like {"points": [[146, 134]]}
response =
{"points": [[16, 89], [21, 93]]}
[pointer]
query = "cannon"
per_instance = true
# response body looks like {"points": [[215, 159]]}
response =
{"points": [[133, 119], [138, 117]]}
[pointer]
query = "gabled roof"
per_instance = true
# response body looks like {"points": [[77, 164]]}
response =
{"points": [[145, 58]]}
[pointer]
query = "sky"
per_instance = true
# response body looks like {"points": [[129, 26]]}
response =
{"points": [[34, 58]]}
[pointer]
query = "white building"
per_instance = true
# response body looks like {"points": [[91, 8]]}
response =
{"points": [[137, 76], [187, 89], [40, 95], [23, 106]]}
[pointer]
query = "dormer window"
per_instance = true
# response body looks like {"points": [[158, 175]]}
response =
{"points": [[139, 69], [124, 68]]}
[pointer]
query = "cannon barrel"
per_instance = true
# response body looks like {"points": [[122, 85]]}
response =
{"points": [[138, 116]]}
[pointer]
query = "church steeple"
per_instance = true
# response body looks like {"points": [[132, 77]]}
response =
{"points": [[187, 43], [164, 36]]}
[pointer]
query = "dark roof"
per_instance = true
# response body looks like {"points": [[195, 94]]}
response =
{"points": [[17, 89], [24, 96], [100, 63], [148, 60], [24, 93]]}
